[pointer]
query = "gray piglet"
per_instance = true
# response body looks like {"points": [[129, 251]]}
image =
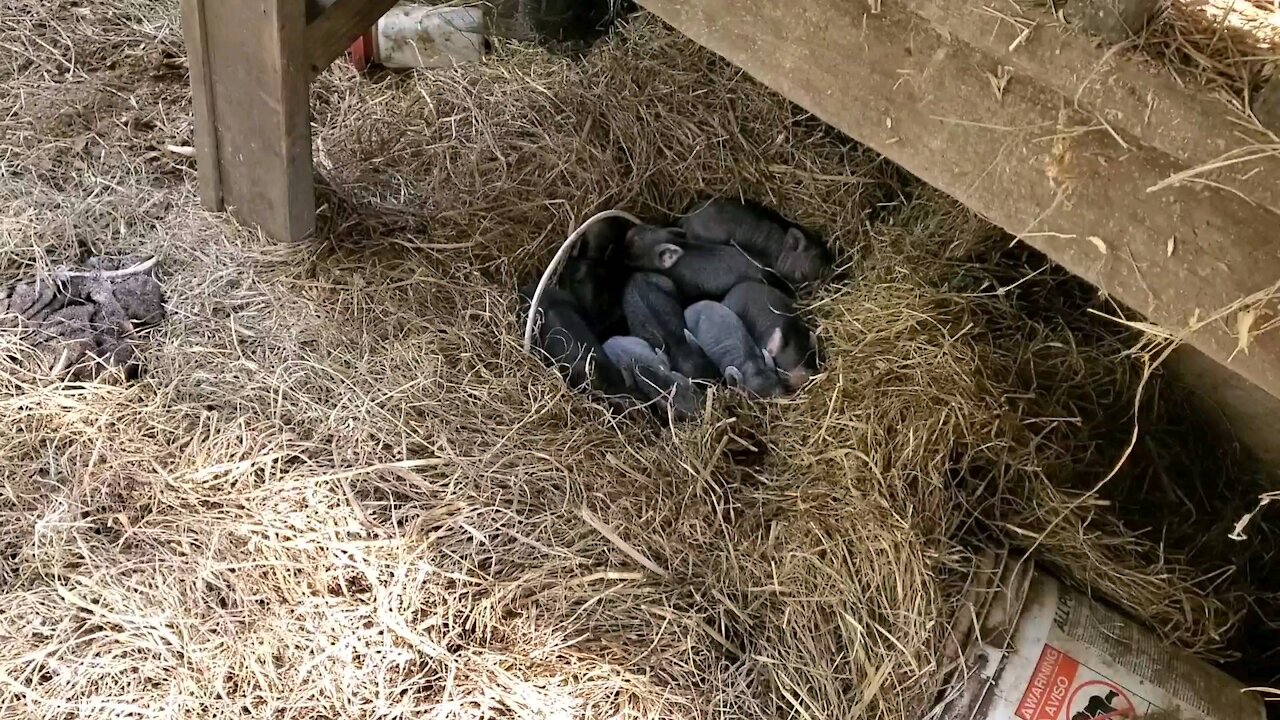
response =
{"points": [[700, 271], [655, 315], [770, 316], [566, 339], [595, 273], [648, 374], [730, 346], [769, 237]]}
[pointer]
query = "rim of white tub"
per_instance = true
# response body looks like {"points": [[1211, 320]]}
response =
{"points": [[553, 268]]}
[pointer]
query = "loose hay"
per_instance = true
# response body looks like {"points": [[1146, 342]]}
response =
{"points": [[1226, 48], [1231, 47], [343, 490]]}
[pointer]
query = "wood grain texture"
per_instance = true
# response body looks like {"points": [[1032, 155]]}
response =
{"points": [[258, 78], [1132, 95], [209, 171], [1023, 156], [338, 26]]}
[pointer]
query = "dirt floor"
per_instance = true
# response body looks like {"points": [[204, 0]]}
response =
{"points": [[340, 489]]}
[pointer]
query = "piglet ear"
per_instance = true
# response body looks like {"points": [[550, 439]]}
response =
{"points": [[688, 335], [774, 344], [795, 241], [733, 376], [668, 255]]}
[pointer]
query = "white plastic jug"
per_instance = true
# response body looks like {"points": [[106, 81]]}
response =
{"points": [[1034, 649]]}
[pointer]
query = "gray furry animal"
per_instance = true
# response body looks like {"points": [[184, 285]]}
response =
{"points": [[700, 271], [778, 243], [648, 375], [595, 274], [569, 344], [725, 339], [770, 316], [654, 314]]}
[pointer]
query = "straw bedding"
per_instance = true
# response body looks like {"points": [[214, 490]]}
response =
{"points": [[342, 490], [1228, 49]]}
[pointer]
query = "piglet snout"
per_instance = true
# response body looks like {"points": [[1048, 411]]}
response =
{"points": [[797, 378]]}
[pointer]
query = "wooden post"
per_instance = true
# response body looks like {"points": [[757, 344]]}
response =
{"points": [[253, 124], [206, 136]]}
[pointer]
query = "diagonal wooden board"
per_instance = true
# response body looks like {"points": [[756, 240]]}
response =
{"points": [[338, 24], [917, 82], [1134, 97]]}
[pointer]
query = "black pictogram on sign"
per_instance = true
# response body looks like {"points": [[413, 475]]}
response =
{"points": [[1101, 700], [1100, 707]]}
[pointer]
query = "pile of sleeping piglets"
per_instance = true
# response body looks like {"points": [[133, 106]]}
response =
{"points": [[653, 316]]}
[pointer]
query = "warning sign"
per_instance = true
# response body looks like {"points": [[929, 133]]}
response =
{"points": [[1050, 687], [1063, 689], [1069, 658], [1100, 700]]}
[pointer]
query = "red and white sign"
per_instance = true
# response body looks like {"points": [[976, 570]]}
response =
{"points": [[1050, 686], [1100, 700], [1063, 689]]}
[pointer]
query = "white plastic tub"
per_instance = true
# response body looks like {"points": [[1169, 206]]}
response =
{"points": [[422, 36], [1033, 649]]}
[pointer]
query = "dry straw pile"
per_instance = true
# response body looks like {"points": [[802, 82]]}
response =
{"points": [[1231, 47], [341, 490]]}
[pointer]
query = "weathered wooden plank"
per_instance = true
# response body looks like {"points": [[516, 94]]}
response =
{"points": [[317, 7], [1020, 156], [1128, 93], [329, 35], [209, 172], [258, 78]]}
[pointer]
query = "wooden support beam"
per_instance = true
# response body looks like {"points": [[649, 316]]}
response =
{"points": [[253, 130], [1135, 98], [330, 34], [316, 8], [1073, 154], [195, 28]]}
